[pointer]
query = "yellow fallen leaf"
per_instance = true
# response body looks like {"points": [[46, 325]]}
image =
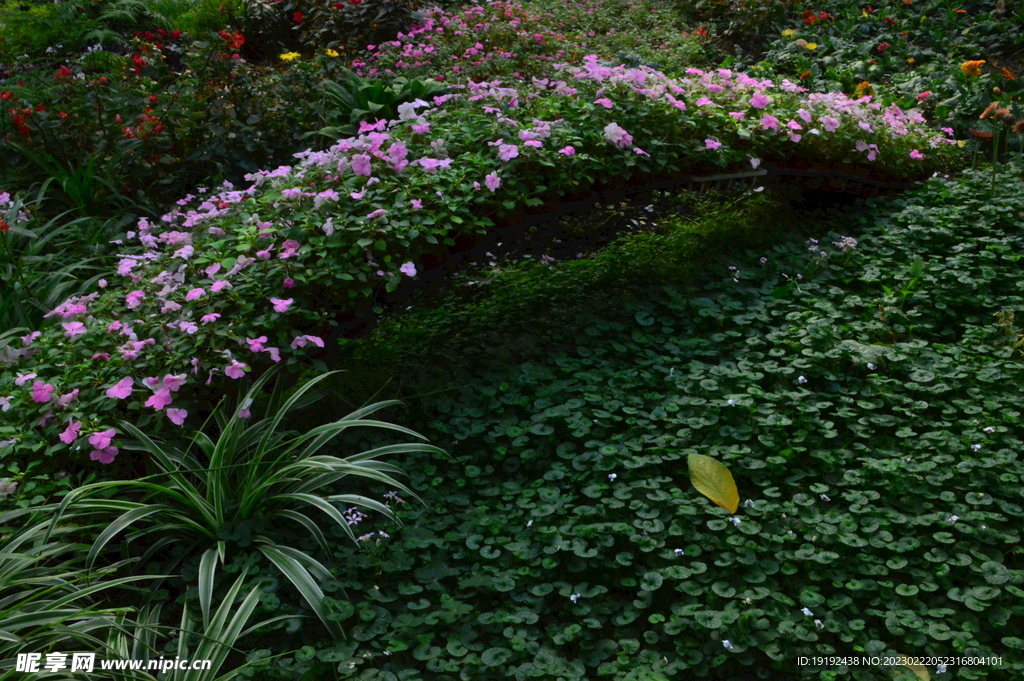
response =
{"points": [[919, 670], [713, 480]]}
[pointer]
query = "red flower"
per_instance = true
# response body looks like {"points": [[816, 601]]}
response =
{"points": [[3, 225], [175, 35], [63, 73], [153, 99], [805, 74], [882, 47], [809, 17], [337, 5], [5, 96], [982, 135], [890, 20], [298, 17]]}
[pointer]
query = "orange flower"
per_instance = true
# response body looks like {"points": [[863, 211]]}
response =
{"points": [[1019, 128], [960, 11], [1006, 72], [982, 135], [972, 68], [863, 89], [988, 111], [805, 74]]}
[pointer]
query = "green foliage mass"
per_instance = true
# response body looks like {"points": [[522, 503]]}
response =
{"points": [[881, 491]]}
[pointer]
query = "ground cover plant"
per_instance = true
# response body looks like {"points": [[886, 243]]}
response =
{"points": [[863, 391]]}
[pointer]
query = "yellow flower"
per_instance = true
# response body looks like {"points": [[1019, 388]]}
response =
{"points": [[290, 56], [331, 53], [972, 68], [910, 60], [789, 33], [863, 89], [811, 46]]}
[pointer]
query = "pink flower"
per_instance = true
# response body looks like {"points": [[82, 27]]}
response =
{"points": [[760, 101], [160, 399], [605, 102], [42, 392], [289, 248], [916, 155], [357, 195], [122, 389], [134, 299], [416, 204], [769, 122], [289, 283], [256, 344], [235, 370], [738, 115], [712, 144], [882, 47], [207, 318], [408, 269], [924, 95], [194, 294], [27, 340], [177, 416], [282, 305], [105, 455], [617, 135], [221, 285], [301, 341], [67, 398], [174, 382], [829, 123], [275, 354], [103, 355], [291, 193], [376, 214], [568, 151], [507, 152], [70, 433], [72, 329], [492, 181], [113, 326], [102, 439], [22, 379], [263, 255], [212, 270], [361, 165], [188, 327], [754, 162]]}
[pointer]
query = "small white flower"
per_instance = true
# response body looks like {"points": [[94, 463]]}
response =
{"points": [[871, 366], [807, 611], [941, 669], [728, 644], [748, 503], [732, 403], [735, 521], [574, 598], [953, 518], [975, 448], [679, 552], [671, 371], [612, 476], [529, 524], [818, 625], [801, 380], [824, 497], [989, 429]]}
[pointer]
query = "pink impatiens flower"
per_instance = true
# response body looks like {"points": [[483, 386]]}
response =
{"points": [[507, 152], [282, 305], [760, 101], [235, 370], [568, 151], [194, 294], [769, 122], [134, 299], [22, 379], [301, 341], [72, 329], [101, 439], [105, 455], [70, 433], [617, 135], [188, 327], [42, 392], [122, 389], [916, 155], [256, 344], [924, 95], [219, 286], [160, 399], [177, 416], [830, 123], [492, 181], [67, 398], [174, 382], [408, 269], [207, 318], [376, 214], [605, 102], [712, 144]]}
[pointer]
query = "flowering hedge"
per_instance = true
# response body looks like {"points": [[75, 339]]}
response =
{"points": [[231, 280]]}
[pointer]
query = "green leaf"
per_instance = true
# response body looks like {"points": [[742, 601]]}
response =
{"points": [[713, 480]]}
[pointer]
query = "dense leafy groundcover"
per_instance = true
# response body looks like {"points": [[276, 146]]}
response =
{"points": [[864, 390], [241, 278]]}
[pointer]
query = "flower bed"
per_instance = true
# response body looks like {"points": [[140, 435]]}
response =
{"points": [[235, 280]]}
